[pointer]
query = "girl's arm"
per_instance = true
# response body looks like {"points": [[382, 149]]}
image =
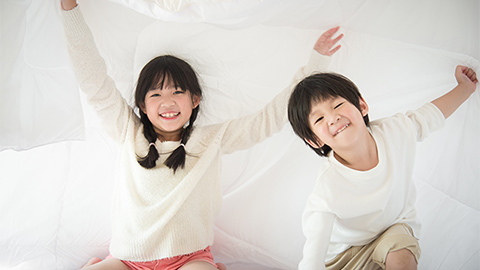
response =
{"points": [[91, 72], [68, 4], [467, 82], [245, 132]]}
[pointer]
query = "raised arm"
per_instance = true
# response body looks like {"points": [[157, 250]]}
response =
{"points": [[274, 116], [467, 83]]}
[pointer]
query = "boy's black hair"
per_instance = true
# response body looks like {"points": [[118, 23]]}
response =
{"points": [[317, 88], [153, 75]]}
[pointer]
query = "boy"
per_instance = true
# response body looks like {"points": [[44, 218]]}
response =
{"points": [[361, 213]]}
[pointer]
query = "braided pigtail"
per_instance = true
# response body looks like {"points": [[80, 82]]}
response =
{"points": [[178, 156], [149, 161]]}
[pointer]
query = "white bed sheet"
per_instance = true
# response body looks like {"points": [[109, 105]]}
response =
{"points": [[55, 197]]}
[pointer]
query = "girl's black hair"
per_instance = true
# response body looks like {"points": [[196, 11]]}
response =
{"points": [[153, 75], [317, 88]]}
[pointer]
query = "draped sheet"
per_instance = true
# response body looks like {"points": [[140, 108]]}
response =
{"points": [[55, 195]]}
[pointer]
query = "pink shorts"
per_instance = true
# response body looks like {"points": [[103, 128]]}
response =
{"points": [[172, 263]]}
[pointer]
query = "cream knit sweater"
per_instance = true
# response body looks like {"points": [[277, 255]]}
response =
{"points": [[156, 213]]}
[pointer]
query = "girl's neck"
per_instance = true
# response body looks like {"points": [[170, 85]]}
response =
{"points": [[169, 136], [362, 157]]}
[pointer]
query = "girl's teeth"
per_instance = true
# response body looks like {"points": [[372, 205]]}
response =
{"points": [[169, 115]]}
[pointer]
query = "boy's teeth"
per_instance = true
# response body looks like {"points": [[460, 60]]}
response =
{"points": [[342, 129]]}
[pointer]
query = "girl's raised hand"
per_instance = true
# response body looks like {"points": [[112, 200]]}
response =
{"points": [[325, 43], [68, 4]]}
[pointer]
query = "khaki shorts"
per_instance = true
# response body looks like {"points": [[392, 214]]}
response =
{"points": [[372, 256]]}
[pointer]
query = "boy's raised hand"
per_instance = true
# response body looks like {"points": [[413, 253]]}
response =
{"points": [[466, 76], [325, 43]]}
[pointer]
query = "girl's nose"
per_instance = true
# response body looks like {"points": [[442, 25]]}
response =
{"points": [[167, 101]]}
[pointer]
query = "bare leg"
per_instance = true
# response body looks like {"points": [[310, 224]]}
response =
{"points": [[201, 265], [110, 263], [401, 259]]}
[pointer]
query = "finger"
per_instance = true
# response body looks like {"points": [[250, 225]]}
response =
{"points": [[469, 72], [331, 31], [338, 38], [334, 50]]}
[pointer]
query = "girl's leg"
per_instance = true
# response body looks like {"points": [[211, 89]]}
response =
{"points": [[110, 263], [201, 265], [401, 259]]}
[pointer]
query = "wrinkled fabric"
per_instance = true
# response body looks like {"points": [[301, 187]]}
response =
{"points": [[55, 198]]}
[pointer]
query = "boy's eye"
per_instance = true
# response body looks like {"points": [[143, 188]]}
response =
{"points": [[338, 105], [319, 119]]}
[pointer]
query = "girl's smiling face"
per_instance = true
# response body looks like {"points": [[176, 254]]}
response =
{"points": [[336, 122], [169, 109]]}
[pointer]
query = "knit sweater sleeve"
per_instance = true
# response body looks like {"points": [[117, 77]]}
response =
{"points": [[245, 132], [91, 73]]}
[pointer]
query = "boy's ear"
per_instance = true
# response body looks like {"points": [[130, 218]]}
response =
{"points": [[363, 106], [314, 144]]}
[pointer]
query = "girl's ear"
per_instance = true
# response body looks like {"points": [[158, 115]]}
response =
{"points": [[363, 106], [314, 144], [196, 100], [142, 108]]}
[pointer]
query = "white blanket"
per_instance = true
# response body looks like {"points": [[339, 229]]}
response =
{"points": [[55, 194]]}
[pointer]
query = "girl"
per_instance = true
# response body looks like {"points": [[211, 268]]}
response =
{"points": [[168, 193]]}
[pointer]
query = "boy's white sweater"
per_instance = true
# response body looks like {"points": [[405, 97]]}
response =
{"points": [[352, 208], [156, 213]]}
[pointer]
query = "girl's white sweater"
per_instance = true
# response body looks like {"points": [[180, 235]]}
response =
{"points": [[157, 213]]}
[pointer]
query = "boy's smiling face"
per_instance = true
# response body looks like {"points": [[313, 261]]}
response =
{"points": [[336, 122]]}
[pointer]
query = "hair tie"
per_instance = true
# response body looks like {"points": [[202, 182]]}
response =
{"points": [[152, 144], [183, 145]]}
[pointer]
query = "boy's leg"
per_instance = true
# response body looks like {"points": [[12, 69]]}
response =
{"points": [[397, 246], [400, 259]]}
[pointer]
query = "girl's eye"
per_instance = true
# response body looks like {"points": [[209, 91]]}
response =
{"points": [[338, 105], [155, 95], [179, 92]]}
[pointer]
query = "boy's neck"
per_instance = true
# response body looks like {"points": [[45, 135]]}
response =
{"points": [[363, 157]]}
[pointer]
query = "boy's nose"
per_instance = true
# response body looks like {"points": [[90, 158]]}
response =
{"points": [[335, 119]]}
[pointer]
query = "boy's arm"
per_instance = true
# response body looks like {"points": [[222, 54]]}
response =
{"points": [[467, 83], [317, 228]]}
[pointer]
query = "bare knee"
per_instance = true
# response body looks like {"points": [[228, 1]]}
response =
{"points": [[199, 265], [91, 262], [110, 263], [401, 259]]}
